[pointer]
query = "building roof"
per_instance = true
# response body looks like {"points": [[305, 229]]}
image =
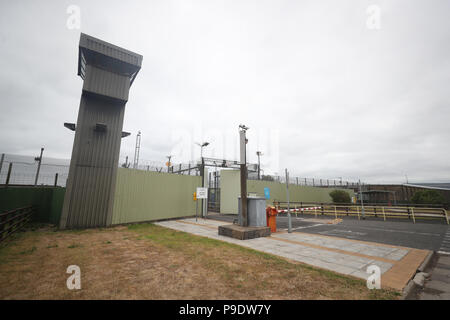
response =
{"points": [[438, 186]]}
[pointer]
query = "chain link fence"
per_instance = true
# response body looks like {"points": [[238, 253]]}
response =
{"points": [[313, 182]]}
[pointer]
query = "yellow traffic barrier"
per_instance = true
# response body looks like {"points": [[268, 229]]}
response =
{"points": [[412, 211], [400, 212]]}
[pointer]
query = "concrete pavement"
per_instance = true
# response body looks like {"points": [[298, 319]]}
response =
{"points": [[346, 256], [437, 286]]}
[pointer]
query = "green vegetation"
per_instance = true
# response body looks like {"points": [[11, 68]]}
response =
{"points": [[340, 196], [427, 197], [33, 249], [199, 249], [75, 245]]}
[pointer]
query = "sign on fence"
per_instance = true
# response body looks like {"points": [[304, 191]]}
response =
{"points": [[267, 193], [202, 193]]}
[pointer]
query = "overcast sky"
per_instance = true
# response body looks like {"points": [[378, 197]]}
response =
{"points": [[325, 92]]}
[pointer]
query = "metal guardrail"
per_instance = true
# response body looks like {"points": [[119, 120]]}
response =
{"points": [[14, 220], [403, 212]]}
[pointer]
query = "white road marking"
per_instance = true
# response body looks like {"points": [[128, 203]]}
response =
{"points": [[445, 245], [314, 225], [402, 231], [349, 232]]}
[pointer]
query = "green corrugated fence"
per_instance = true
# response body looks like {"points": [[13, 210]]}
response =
{"points": [[148, 196]]}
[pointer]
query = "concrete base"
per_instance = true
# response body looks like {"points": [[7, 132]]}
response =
{"points": [[243, 233]]}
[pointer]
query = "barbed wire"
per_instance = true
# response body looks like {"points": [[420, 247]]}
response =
{"points": [[24, 172]]}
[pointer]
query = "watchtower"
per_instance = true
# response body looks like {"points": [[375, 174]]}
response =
{"points": [[108, 72]]}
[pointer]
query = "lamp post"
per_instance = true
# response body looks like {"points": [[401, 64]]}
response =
{"points": [[202, 145], [168, 162], [259, 153]]}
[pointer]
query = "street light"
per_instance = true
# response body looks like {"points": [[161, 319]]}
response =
{"points": [[201, 145], [168, 162]]}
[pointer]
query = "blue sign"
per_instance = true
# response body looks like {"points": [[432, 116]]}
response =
{"points": [[267, 193]]}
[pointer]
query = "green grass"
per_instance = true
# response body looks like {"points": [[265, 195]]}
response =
{"points": [[195, 246], [74, 245], [29, 251]]}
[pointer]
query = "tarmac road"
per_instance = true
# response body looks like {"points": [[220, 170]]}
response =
{"points": [[428, 235], [424, 234]]}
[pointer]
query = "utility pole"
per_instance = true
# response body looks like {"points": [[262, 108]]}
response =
{"points": [[288, 206], [243, 164], [39, 159], [259, 153]]}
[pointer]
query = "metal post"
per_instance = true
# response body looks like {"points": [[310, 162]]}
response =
{"points": [[196, 209], [39, 167], [8, 175], [202, 174], [287, 197], [1, 161], [384, 214], [243, 167], [362, 202], [56, 179], [168, 163], [296, 180]]}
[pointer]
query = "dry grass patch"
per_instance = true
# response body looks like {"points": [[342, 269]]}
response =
{"points": [[146, 261]]}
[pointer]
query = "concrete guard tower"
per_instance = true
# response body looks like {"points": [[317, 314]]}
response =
{"points": [[108, 72]]}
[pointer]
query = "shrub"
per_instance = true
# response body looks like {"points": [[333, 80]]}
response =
{"points": [[427, 197], [340, 196]]}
